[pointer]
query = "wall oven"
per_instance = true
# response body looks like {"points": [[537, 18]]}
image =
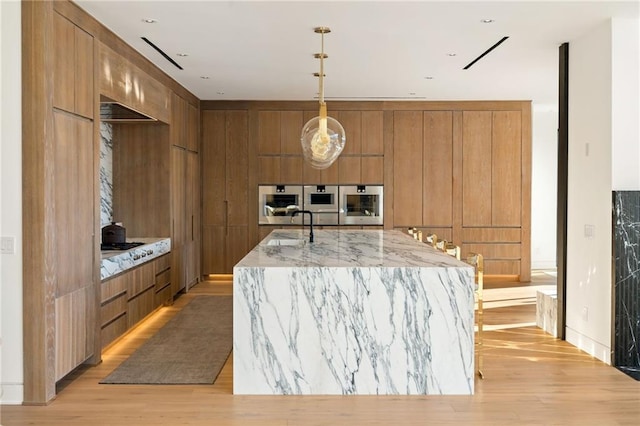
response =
{"points": [[322, 200], [276, 204], [361, 205]]}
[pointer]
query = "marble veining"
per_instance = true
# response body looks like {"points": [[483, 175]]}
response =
{"points": [[106, 174], [356, 312], [626, 247], [114, 262], [547, 310]]}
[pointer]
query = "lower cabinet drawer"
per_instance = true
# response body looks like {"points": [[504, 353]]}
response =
{"points": [[163, 295], [140, 306], [113, 330], [113, 308], [163, 279]]}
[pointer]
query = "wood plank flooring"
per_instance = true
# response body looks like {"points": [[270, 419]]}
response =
{"points": [[530, 379]]}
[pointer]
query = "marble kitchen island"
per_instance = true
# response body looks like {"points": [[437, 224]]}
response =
{"points": [[355, 312]]}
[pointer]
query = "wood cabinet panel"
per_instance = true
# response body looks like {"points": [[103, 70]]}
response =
{"points": [[372, 134], [193, 128], [490, 235], [73, 331], [113, 309], [237, 173], [114, 286], [141, 179], [213, 249], [178, 167], [506, 188], [162, 280], [162, 263], [503, 267], [330, 175], [290, 130], [269, 132], [74, 202], [494, 251], [407, 168], [178, 121], [63, 63], [140, 306], [113, 330], [350, 170], [290, 170], [352, 123], [476, 168], [84, 74], [310, 175], [372, 170], [269, 170], [142, 278], [237, 246], [214, 168], [437, 173]]}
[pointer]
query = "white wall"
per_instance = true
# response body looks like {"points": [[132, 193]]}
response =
{"points": [[625, 104], [602, 119], [544, 178], [11, 377]]}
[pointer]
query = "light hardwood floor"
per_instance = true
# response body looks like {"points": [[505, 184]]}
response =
{"points": [[530, 378]]}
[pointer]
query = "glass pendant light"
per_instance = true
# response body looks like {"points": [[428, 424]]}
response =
{"points": [[323, 138]]}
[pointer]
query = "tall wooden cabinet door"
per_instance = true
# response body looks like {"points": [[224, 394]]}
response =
{"points": [[178, 128], [178, 236], [407, 168], [193, 128], [352, 123], [193, 227], [476, 168], [73, 213], [506, 188], [237, 168], [214, 166], [437, 172], [214, 240]]}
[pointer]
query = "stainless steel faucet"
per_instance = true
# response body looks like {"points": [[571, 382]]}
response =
{"points": [[310, 220]]}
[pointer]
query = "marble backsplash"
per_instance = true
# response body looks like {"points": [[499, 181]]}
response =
{"points": [[626, 254], [106, 174]]}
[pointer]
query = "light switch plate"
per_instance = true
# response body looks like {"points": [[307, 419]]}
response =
{"points": [[8, 245]]}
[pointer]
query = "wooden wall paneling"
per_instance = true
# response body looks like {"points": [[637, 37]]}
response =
{"points": [[141, 179], [290, 171], [495, 251], [269, 132], [350, 171], [252, 178], [506, 166], [407, 168], [372, 170], [372, 133], [388, 135], [237, 246], [269, 169], [503, 267], [178, 128], [491, 235], [310, 175], [476, 168], [194, 227], [193, 128], [63, 63], [178, 230], [291, 123], [213, 249], [331, 175], [437, 173]]}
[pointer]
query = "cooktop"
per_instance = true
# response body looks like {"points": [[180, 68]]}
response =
{"points": [[119, 246]]}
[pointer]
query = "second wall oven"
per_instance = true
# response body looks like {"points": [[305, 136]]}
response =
{"points": [[322, 200], [361, 205]]}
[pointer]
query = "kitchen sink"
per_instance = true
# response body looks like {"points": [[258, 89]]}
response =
{"points": [[286, 242]]}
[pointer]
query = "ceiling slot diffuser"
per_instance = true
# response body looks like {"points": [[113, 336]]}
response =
{"points": [[160, 51], [485, 52]]}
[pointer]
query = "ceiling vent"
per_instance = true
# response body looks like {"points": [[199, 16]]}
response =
{"points": [[160, 51], [486, 52]]}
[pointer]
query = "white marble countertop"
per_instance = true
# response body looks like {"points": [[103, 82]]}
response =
{"points": [[346, 248], [114, 262]]}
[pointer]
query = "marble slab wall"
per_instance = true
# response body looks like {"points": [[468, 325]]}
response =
{"points": [[626, 254], [106, 174]]}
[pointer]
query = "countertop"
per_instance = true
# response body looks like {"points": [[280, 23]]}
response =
{"points": [[113, 262], [346, 248]]}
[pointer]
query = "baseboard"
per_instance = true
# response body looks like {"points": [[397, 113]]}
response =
{"points": [[588, 345], [11, 393]]}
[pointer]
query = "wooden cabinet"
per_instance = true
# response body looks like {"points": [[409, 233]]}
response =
{"points": [[73, 210], [407, 168], [128, 298], [73, 68], [225, 189]]}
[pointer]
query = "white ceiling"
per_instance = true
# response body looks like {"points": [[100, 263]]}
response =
{"points": [[263, 50]]}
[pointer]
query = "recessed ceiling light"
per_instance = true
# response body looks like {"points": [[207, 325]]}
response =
{"points": [[149, 21], [428, 77], [412, 93], [182, 54], [220, 93], [204, 77], [487, 21], [451, 54]]}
